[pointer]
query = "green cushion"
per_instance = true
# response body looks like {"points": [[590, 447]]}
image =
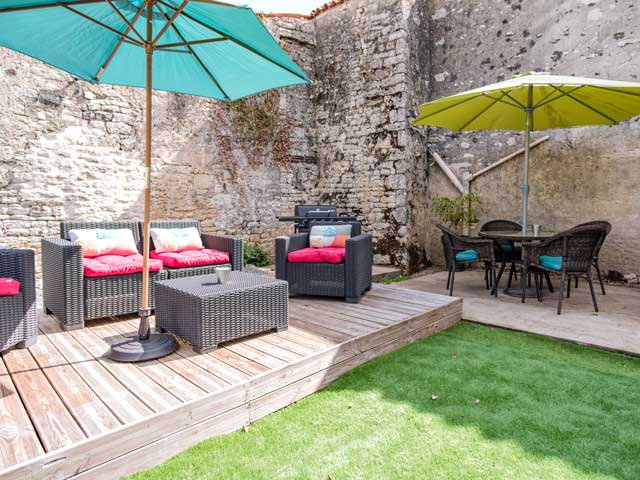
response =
{"points": [[552, 263], [467, 256], [508, 248]]}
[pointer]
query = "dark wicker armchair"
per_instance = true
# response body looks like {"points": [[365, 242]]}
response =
{"points": [[569, 254], [506, 252], [74, 298], [467, 250], [348, 280], [18, 324], [222, 243], [606, 227]]}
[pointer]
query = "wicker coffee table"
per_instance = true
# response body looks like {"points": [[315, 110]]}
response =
{"points": [[206, 313]]}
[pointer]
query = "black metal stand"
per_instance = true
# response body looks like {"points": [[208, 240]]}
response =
{"points": [[145, 346]]}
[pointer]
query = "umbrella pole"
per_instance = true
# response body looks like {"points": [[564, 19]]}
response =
{"points": [[527, 149], [146, 346]]}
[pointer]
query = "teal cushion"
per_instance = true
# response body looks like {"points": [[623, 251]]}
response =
{"points": [[467, 256], [552, 263], [508, 248]]}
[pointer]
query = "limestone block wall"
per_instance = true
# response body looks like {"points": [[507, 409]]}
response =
{"points": [[366, 59], [580, 174]]}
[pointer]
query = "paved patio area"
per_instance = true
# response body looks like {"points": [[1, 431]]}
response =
{"points": [[616, 327]]}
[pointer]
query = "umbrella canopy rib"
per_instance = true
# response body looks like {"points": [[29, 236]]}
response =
{"points": [[481, 112], [584, 104], [164, 46], [48, 5], [103, 25], [170, 22], [232, 39], [208, 72], [131, 24]]}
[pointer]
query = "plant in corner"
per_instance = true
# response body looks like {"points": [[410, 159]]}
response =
{"points": [[255, 254], [457, 213]]}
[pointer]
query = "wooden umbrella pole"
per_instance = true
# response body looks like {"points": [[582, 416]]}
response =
{"points": [[144, 330]]}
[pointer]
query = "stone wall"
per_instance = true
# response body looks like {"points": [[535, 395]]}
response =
{"points": [[371, 61], [579, 174], [71, 150]]}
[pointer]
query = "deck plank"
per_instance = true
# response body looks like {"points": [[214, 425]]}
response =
{"points": [[18, 439], [186, 397], [52, 420]]}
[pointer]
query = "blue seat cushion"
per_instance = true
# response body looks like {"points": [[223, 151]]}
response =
{"points": [[508, 248], [552, 263], [467, 256]]}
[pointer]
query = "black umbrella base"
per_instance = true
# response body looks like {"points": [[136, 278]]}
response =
{"points": [[517, 292], [136, 350]]}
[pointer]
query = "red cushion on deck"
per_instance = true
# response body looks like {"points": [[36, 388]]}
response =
{"points": [[318, 255], [107, 265], [191, 258], [9, 286]]}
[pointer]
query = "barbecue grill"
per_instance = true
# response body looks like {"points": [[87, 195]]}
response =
{"points": [[303, 214]]}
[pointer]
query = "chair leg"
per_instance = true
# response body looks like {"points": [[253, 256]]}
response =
{"points": [[498, 278], [576, 282], [523, 282], [569, 287], [593, 293], [563, 279], [529, 277], [512, 272], [486, 276], [600, 278], [495, 279], [453, 276], [549, 284], [538, 280], [448, 277]]}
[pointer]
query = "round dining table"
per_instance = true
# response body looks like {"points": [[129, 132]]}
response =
{"points": [[513, 237]]}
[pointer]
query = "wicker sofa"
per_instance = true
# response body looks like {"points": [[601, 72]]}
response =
{"points": [[18, 324], [74, 298], [348, 280]]}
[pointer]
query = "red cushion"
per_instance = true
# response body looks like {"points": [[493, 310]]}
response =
{"points": [[9, 286], [107, 265], [191, 258], [318, 255]]}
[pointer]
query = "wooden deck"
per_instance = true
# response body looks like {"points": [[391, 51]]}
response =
{"points": [[616, 327], [69, 412]]}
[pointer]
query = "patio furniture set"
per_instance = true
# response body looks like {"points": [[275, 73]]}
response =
{"points": [[94, 270], [570, 254]]}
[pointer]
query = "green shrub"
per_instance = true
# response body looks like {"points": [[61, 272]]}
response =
{"points": [[255, 254]]}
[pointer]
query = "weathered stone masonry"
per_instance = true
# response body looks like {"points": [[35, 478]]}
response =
{"points": [[69, 149]]}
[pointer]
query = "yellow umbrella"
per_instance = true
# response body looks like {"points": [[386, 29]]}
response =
{"points": [[534, 101]]}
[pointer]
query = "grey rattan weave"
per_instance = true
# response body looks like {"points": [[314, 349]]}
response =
{"points": [[18, 324], [74, 298], [348, 280], [205, 313]]}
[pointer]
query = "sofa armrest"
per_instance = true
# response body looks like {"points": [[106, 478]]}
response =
{"points": [[358, 265], [285, 245], [226, 243], [19, 264], [62, 281]]}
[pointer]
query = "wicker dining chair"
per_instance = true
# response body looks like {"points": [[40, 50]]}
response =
{"points": [[568, 254], [464, 250], [506, 252], [606, 229]]}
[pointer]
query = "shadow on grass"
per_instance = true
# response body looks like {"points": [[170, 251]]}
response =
{"points": [[577, 405]]}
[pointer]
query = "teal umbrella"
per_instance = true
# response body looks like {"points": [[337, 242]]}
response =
{"points": [[198, 47]]}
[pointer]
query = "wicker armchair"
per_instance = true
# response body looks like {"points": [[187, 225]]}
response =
{"points": [[18, 324], [73, 298], [506, 252], [606, 227], [569, 254], [467, 250], [348, 280], [222, 243]]}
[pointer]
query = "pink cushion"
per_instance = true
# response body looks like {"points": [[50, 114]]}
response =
{"points": [[191, 258], [107, 265], [9, 286], [318, 255]]}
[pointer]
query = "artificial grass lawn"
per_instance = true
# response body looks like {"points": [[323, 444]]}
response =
{"points": [[547, 409]]}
